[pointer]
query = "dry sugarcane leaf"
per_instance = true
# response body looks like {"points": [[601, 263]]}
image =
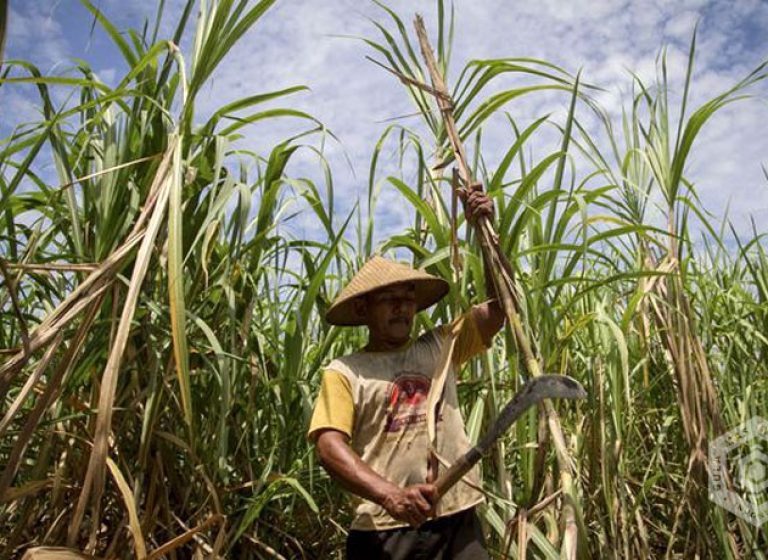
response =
{"points": [[10, 285], [53, 267], [48, 396], [108, 170], [130, 505], [28, 489], [103, 274], [185, 537], [86, 291], [30, 383], [25, 436], [95, 475]]}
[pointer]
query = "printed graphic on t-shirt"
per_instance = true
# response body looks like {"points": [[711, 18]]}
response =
{"points": [[407, 401]]}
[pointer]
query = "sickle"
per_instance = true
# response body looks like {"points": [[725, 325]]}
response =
{"points": [[533, 392]]}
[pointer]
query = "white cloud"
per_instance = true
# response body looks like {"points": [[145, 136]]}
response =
{"points": [[24, 108], [679, 26], [34, 33]]}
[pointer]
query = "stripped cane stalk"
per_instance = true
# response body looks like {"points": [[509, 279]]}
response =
{"points": [[503, 278]]}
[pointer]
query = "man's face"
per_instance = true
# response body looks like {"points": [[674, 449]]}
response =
{"points": [[389, 313]]}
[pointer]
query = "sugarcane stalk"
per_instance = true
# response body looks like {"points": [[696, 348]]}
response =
{"points": [[503, 278]]}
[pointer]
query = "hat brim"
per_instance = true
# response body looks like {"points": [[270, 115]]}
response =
{"points": [[428, 292]]}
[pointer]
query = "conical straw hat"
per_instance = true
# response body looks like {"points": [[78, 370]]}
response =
{"points": [[378, 273]]}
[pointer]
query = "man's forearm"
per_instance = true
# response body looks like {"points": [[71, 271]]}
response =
{"points": [[412, 504], [351, 472]]}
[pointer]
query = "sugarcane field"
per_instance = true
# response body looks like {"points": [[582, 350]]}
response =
{"points": [[383, 279]]}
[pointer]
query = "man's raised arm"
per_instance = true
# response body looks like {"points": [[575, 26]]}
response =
{"points": [[489, 316]]}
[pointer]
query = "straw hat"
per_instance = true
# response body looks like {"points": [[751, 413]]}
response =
{"points": [[379, 273]]}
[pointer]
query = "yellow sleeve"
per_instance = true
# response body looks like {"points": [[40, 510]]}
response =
{"points": [[469, 343], [334, 407]]}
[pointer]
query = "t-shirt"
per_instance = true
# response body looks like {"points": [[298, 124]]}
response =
{"points": [[379, 400]]}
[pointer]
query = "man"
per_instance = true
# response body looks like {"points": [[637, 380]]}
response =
{"points": [[370, 418]]}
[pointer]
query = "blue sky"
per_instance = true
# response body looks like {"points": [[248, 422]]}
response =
{"points": [[297, 43]]}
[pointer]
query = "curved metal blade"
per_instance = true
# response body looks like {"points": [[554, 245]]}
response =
{"points": [[548, 386], [533, 392]]}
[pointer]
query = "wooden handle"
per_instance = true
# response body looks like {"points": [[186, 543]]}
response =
{"points": [[456, 471]]}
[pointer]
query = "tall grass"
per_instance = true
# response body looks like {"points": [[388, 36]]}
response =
{"points": [[156, 314], [161, 335]]}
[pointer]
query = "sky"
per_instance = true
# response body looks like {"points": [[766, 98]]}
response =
{"points": [[307, 42]]}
